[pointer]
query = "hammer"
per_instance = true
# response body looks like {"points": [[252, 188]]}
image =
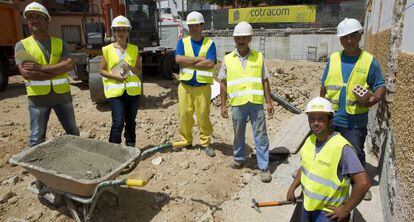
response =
{"points": [[256, 205]]}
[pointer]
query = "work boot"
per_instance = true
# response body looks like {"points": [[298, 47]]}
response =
{"points": [[179, 149], [236, 164], [130, 144], [265, 176], [209, 151], [294, 174], [368, 195]]}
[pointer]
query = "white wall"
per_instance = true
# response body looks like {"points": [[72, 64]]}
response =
{"points": [[380, 17], [407, 43], [293, 47]]}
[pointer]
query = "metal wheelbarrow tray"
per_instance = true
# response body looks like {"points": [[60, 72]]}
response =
{"points": [[115, 158]]}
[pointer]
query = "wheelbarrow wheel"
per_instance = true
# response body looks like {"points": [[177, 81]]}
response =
{"points": [[52, 199]]}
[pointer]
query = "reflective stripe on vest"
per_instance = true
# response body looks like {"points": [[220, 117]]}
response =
{"points": [[132, 84], [60, 83], [122, 85], [203, 76], [319, 178], [334, 81], [244, 84]]}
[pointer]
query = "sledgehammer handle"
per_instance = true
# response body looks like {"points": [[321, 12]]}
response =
{"points": [[273, 203]]}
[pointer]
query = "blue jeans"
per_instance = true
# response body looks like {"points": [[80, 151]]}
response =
{"points": [[124, 110], [39, 116], [356, 137], [314, 216], [256, 115]]}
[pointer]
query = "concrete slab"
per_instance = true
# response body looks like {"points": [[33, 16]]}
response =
{"points": [[291, 136], [239, 208]]}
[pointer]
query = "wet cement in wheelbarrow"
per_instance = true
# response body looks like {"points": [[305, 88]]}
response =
{"points": [[73, 161]]}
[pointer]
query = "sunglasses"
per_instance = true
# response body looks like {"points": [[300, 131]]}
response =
{"points": [[121, 30]]}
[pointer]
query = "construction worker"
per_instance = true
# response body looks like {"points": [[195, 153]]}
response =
{"points": [[243, 77], [45, 74], [344, 71], [122, 89], [196, 56], [329, 164]]}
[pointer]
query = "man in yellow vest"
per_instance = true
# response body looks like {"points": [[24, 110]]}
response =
{"points": [[345, 70], [244, 79], [196, 56], [44, 62], [329, 164]]}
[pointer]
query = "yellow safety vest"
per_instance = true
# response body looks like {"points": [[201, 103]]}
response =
{"points": [[59, 83], [244, 84], [132, 84], [320, 183], [334, 82], [203, 76]]}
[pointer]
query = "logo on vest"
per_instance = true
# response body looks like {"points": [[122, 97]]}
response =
{"points": [[361, 70], [254, 66], [323, 163]]}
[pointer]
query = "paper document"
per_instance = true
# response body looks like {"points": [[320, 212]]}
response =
{"points": [[215, 89], [118, 70], [22, 56]]}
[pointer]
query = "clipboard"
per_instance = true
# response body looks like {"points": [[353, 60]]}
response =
{"points": [[118, 70]]}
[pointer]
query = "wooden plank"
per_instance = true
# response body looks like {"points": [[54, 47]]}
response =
{"points": [[289, 139]]}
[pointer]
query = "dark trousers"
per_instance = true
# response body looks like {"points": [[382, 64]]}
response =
{"points": [[124, 110], [356, 137]]}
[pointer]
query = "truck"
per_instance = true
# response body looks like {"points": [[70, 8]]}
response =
{"points": [[12, 32], [147, 33]]}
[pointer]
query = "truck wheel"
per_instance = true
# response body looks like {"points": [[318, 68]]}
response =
{"points": [[168, 66], [4, 76], [96, 88]]}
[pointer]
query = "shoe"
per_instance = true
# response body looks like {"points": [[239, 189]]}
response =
{"points": [[177, 149], [368, 195], [209, 151], [130, 144], [236, 164], [265, 176], [294, 174]]}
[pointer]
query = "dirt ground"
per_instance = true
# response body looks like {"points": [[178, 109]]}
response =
{"points": [[187, 185]]}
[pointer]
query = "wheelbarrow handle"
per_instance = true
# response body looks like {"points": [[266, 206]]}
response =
{"points": [[123, 182], [135, 183], [159, 148], [143, 155]]}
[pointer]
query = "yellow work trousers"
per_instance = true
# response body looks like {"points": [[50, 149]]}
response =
{"points": [[195, 99]]}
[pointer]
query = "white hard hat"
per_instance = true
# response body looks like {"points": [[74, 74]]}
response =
{"points": [[243, 29], [195, 18], [121, 21], [35, 7], [348, 26], [319, 104]]}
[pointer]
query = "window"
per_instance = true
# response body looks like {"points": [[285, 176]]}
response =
{"points": [[71, 33], [26, 32]]}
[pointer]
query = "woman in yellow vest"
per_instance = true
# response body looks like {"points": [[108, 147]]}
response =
{"points": [[121, 75]]}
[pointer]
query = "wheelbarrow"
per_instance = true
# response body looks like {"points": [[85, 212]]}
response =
{"points": [[47, 160]]}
